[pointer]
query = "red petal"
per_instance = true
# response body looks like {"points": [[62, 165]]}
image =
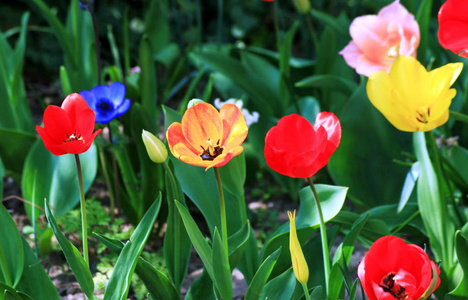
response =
{"points": [[49, 143], [57, 123], [453, 26], [74, 104], [85, 123]]}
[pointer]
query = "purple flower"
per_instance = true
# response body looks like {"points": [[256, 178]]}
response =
{"points": [[107, 102]]}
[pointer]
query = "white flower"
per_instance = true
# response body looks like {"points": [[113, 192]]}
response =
{"points": [[250, 118]]}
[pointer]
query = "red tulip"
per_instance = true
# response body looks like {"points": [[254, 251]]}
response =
{"points": [[453, 26], [68, 129], [297, 149], [393, 269]]}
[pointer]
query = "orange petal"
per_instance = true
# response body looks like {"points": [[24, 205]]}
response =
{"points": [[200, 123], [234, 128], [174, 136], [183, 153]]}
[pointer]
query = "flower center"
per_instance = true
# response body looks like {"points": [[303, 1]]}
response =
{"points": [[74, 137], [393, 51], [391, 286], [104, 105], [423, 114], [211, 152]]}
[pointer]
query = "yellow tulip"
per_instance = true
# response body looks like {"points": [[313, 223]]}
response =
{"points": [[301, 270], [410, 97]]}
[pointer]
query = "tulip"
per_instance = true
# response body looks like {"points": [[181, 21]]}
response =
{"points": [[411, 98], [301, 270], [156, 149], [379, 39], [69, 128], [297, 149], [453, 26], [207, 137], [108, 102], [393, 269]]}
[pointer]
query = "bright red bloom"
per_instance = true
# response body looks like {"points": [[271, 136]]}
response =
{"points": [[297, 149], [68, 129], [453, 26], [393, 269]]}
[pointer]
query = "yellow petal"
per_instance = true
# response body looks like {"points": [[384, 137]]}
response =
{"points": [[411, 98], [384, 97], [300, 268]]}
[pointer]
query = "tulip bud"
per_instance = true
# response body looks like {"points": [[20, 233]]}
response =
{"points": [[156, 149], [194, 102], [300, 268], [302, 6]]}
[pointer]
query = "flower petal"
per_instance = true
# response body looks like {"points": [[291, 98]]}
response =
{"points": [[74, 104], [51, 145], [201, 123], [174, 136], [89, 98], [57, 123], [234, 127], [116, 93], [101, 91]]}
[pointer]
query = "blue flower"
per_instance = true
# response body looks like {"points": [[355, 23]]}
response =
{"points": [[107, 102]]}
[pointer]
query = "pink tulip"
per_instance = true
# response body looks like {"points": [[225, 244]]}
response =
{"points": [[379, 39]]}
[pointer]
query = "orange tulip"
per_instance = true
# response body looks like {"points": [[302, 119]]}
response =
{"points": [[206, 137]]}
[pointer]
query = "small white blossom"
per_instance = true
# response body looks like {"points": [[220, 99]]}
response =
{"points": [[250, 118]]}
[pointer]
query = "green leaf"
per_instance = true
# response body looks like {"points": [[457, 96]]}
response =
{"points": [[331, 82], [433, 209], [156, 282], [222, 271], [73, 256], [177, 245], [55, 178], [14, 147], [65, 81], [237, 244], [148, 80], [11, 250], [35, 281], [2, 173], [461, 247], [423, 17], [199, 242], [361, 123], [281, 287], [331, 21], [261, 276], [119, 283], [264, 89], [408, 187], [331, 199]]}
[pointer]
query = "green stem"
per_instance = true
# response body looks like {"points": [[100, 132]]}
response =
{"points": [[439, 172], [84, 224], [176, 218], [323, 234], [222, 209], [306, 291]]}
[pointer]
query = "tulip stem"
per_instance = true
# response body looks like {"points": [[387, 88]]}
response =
{"points": [[323, 234], [441, 174], [306, 291], [222, 208], [84, 225]]}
